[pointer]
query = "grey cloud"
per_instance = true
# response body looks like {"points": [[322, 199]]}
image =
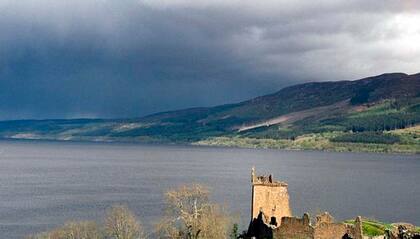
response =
{"points": [[103, 58]]}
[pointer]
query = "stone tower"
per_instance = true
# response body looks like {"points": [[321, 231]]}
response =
{"points": [[269, 197]]}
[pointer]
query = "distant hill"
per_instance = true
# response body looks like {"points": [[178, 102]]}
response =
{"points": [[380, 112]]}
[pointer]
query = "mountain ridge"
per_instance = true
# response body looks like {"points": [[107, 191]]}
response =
{"points": [[376, 104]]}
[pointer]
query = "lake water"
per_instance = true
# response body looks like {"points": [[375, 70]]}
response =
{"points": [[44, 184]]}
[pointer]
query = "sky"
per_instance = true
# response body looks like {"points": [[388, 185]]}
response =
{"points": [[129, 58]]}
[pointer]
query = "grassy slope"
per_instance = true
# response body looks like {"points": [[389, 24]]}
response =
{"points": [[333, 134], [373, 227]]}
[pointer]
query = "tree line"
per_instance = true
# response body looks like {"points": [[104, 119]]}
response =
{"points": [[382, 123], [189, 214], [367, 137]]}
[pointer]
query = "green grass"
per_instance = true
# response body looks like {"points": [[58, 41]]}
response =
{"points": [[372, 227]]}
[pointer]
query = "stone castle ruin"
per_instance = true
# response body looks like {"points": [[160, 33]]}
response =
{"points": [[324, 228], [272, 216], [269, 197]]}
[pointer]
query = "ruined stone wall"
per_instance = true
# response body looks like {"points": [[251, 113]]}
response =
{"points": [[324, 218], [332, 231], [272, 200], [325, 228], [294, 228]]}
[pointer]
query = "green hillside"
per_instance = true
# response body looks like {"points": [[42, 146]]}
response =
{"points": [[363, 115]]}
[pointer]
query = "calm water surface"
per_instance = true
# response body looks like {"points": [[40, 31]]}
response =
{"points": [[44, 184]]}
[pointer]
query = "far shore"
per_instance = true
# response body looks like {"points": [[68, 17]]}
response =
{"points": [[244, 143]]}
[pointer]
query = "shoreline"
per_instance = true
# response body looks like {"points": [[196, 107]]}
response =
{"points": [[343, 147]]}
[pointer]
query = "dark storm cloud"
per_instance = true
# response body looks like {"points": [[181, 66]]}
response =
{"points": [[129, 58]]}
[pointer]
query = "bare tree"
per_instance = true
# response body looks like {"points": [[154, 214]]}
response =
{"points": [[72, 230], [190, 215], [120, 223]]}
